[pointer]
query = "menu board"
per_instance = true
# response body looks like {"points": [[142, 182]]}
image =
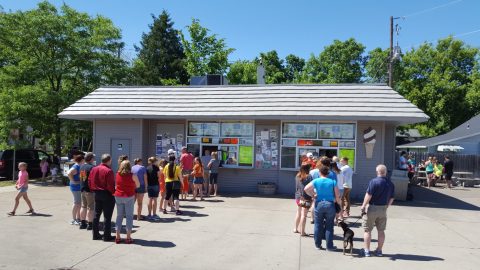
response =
{"points": [[299, 130], [336, 131], [237, 129], [350, 154], [203, 129], [245, 155]]}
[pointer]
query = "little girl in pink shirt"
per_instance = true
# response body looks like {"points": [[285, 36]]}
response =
{"points": [[22, 187]]}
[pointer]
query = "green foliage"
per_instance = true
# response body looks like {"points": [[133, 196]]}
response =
{"points": [[242, 72], [51, 58], [274, 68], [160, 55], [441, 81], [294, 66], [340, 62], [205, 54]]}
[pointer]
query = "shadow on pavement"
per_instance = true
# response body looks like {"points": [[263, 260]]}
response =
{"points": [[153, 243], [411, 257], [424, 197], [35, 215], [173, 219], [192, 207], [193, 214]]}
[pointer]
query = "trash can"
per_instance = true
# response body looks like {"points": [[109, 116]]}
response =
{"points": [[267, 188], [400, 180]]}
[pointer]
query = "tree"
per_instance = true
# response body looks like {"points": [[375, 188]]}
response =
{"points": [[376, 67], [242, 72], [274, 69], [294, 66], [51, 59], [161, 59], [205, 54], [441, 80], [340, 62]]}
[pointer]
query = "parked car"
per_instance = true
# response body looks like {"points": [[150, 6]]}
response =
{"points": [[30, 156]]}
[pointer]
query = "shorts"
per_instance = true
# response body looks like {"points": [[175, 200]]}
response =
{"points": [[153, 191], [198, 180], [188, 173], [88, 200], [213, 178], [77, 197], [448, 176], [376, 216], [23, 189], [171, 192], [162, 187], [140, 190], [185, 185]]}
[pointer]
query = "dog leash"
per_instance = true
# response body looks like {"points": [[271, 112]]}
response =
{"points": [[361, 216]]}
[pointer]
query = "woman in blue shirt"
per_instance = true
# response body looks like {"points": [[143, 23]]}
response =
{"points": [[327, 194], [75, 188]]}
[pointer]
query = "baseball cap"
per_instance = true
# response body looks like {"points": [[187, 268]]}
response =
{"points": [[309, 155], [171, 152]]}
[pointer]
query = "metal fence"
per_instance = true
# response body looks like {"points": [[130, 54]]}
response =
{"points": [[464, 163]]}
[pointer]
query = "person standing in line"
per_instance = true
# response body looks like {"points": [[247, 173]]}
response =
{"points": [[126, 182], [347, 174], [213, 167], [122, 158], [141, 172], [340, 182], [327, 194], [197, 179], [75, 188], [163, 203], [88, 197], [186, 162], [22, 187], [448, 166], [102, 183], [315, 173], [429, 169], [402, 162], [173, 183], [302, 199], [153, 188], [379, 196], [44, 168], [310, 161], [206, 174]]}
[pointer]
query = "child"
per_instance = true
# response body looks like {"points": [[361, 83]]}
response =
{"points": [[44, 168], [22, 187], [161, 176], [197, 179]]}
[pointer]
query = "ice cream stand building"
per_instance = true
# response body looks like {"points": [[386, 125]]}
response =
{"points": [[259, 131]]}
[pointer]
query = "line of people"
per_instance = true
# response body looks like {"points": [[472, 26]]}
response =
{"points": [[326, 190], [96, 190]]}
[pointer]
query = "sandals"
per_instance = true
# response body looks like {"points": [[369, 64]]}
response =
{"points": [[165, 211], [118, 240], [296, 231], [129, 241], [31, 212], [11, 213]]}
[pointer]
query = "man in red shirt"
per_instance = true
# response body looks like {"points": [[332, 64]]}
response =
{"points": [[186, 161], [102, 183]]}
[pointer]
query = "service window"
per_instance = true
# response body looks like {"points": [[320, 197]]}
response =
{"points": [[320, 139], [232, 140]]}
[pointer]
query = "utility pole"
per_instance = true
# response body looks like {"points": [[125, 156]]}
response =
{"points": [[390, 56]]}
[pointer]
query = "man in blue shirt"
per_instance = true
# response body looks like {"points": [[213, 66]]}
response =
{"points": [[379, 196]]}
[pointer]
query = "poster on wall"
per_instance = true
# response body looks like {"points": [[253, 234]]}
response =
{"points": [[266, 150], [245, 155], [350, 154]]}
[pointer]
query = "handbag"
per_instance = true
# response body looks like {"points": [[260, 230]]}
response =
{"points": [[305, 203], [337, 206]]}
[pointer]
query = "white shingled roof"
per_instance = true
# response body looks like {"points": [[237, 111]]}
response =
{"points": [[284, 102]]}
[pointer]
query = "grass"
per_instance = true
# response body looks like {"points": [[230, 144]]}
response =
{"points": [[6, 183]]}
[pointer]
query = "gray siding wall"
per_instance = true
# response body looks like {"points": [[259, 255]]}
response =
{"points": [[471, 145], [365, 168], [390, 145], [106, 130]]}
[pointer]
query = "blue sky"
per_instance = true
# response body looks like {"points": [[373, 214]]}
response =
{"points": [[300, 27]]}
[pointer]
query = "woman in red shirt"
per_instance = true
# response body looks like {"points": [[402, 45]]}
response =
{"points": [[125, 186]]}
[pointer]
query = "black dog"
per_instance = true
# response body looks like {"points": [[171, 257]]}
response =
{"points": [[347, 236]]}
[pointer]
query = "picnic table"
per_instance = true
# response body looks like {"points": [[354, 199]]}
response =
{"points": [[466, 179]]}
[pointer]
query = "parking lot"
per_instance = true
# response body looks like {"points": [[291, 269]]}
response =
{"points": [[439, 229]]}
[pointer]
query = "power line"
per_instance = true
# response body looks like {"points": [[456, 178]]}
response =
{"points": [[431, 9], [454, 36]]}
